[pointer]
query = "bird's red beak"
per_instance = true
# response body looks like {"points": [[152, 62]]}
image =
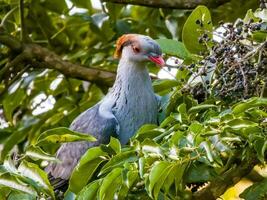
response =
{"points": [[158, 60]]}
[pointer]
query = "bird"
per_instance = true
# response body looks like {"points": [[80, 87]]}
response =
{"points": [[128, 105]]}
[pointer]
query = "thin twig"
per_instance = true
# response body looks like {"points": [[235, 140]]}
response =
{"points": [[244, 81], [22, 24], [263, 89], [5, 18], [23, 33], [14, 79], [169, 73], [247, 56]]}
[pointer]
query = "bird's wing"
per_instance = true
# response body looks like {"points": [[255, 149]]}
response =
{"points": [[97, 121]]}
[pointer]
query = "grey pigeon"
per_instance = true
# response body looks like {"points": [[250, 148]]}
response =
{"points": [[128, 105]]}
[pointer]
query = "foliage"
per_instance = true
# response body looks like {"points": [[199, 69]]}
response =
{"points": [[192, 145], [207, 127]]}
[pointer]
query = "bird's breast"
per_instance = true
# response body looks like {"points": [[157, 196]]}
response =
{"points": [[134, 107]]}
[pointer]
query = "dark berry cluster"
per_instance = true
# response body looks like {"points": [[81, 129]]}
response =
{"points": [[240, 70], [236, 66]]}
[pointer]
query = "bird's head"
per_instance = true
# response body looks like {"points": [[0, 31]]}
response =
{"points": [[139, 48]]}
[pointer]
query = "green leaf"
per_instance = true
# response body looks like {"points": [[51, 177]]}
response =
{"points": [[36, 153], [151, 149], [57, 6], [250, 15], [86, 168], [129, 178], [261, 14], [33, 172], [13, 100], [238, 124], [179, 173], [206, 146], [82, 4], [114, 10], [61, 135], [110, 185], [18, 195], [199, 172], [251, 103], [201, 107], [256, 191], [90, 191], [260, 146], [156, 175], [9, 165], [174, 48], [183, 114], [162, 85], [14, 139], [118, 161], [196, 127], [148, 131], [115, 145], [198, 23], [15, 183], [175, 176]]}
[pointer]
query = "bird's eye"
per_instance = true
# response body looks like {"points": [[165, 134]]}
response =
{"points": [[136, 49]]}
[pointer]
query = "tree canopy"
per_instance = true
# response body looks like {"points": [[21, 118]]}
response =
{"points": [[57, 61]]}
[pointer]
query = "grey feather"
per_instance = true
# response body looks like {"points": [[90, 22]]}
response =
{"points": [[69, 154], [129, 104]]}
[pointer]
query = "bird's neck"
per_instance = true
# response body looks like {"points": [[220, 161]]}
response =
{"points": [[132, 76]]}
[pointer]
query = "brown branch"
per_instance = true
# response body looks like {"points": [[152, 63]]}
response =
{"points": [[10, 42], [44, 58], [53, 61], [173, 4], [24, 56], [217, 187]]}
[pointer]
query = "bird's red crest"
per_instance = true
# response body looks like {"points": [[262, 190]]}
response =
{"points": [[121, 41]]}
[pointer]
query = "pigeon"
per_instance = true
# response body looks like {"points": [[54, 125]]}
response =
{"points": [[128, 105]]}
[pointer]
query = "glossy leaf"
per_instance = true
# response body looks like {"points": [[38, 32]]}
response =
{"points": [[86, 168], [162, 85], [198, 23], [251, 103], [115, 145], [260, 146], [36, 153], [62, 134], [13, 100], [238, 124], [14, 139], [13, 182], [256, 191], [109, 185], [199, 173], [55, 5], [32, 171], [174, 48], [148, 131], [22, 196], [82, 4], [118, 161], [90, 191], [157, 173], [201, 107]]}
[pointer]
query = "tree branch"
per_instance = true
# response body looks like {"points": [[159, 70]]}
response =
{"points": [[173, 4], [50, 60], [42, 57], [11, 42], [217, 187]]}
